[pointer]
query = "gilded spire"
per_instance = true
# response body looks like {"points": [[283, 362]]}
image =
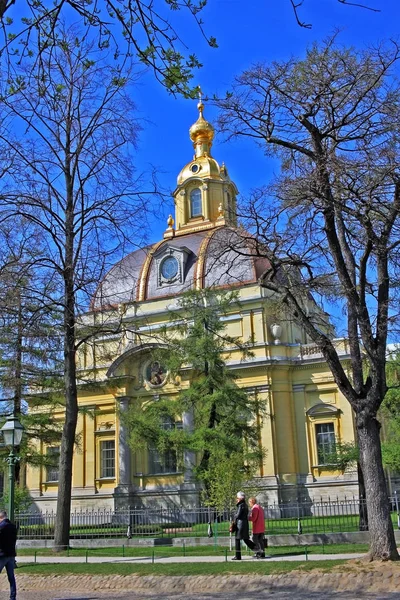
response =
{"points": [[201, 132]]}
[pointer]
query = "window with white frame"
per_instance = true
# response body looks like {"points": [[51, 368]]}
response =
{"points": [[326, 442], [107, 459], [53, 461], [195, 203]]}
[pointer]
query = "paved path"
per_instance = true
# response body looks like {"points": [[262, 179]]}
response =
{"points": [[160, 559]]}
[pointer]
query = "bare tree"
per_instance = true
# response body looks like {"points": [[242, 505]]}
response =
{"points": [[330, 223], [74, 180], [149, 30], [140, 28], [297, 5]]}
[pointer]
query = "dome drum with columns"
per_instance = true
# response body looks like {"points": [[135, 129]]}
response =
{"points": [[202, 247]]}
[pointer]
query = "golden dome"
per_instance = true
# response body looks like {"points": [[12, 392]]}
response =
{"points": [[202, 134], [202, 167]]}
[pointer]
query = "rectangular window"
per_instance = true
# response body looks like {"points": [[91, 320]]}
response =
{"points": [[53, 458], [107, 459], [162, 462], [195, 203], [326, 442]]}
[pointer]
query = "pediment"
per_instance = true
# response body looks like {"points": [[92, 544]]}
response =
{"points": [[129, 352], [171, 249], [322, 409]]}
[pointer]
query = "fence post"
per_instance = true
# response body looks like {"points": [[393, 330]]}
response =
{"points": [[123, 550], [152, 558], [306, 552], [299, 526], [87, 554], [397, 509]]}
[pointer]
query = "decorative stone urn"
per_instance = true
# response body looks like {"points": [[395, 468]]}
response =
{"points": [[276, 331]]}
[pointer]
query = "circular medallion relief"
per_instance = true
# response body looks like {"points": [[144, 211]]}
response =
{"points": [[155, 373]]}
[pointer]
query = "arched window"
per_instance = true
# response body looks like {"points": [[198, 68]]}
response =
{"points": [[195, 203]]}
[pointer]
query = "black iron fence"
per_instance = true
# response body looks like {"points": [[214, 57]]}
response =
{"points": [[325, 516]]}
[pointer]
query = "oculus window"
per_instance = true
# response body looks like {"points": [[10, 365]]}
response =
{"points": [[169, 268], [195, 203]]}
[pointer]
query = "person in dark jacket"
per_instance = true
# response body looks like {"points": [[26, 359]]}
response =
{"points": [[8, 539], [241, 520]]}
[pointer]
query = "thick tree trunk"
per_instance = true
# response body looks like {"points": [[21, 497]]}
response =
{"points": [[382, 542]]}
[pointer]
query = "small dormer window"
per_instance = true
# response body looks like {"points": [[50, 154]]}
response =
{"points": [[195, 203], [171, 264]]}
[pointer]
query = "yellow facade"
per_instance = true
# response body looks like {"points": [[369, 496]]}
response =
{"points": [[305, 411]]}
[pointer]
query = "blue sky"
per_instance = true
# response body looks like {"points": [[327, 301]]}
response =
{"points": [[265, 31]]}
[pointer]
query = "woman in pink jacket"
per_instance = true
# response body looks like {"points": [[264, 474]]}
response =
{"points": [[257, 518]]}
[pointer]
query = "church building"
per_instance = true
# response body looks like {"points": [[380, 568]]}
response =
{"points": [[306, 413]]}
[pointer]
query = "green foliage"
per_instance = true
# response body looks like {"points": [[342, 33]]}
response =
{"points": [[30, 355], [225, 432], [390, 413], [342, 455], [226, 474], [22, 499], [391, 454]]}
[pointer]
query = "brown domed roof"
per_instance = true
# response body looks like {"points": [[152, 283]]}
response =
{"points": [[219, 257]]}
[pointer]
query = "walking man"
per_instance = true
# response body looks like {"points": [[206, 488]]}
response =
{"points": [[8, 538], [257, 519]]}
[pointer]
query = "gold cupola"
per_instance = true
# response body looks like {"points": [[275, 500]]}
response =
{"points": [[203, 165], [202, 134], [205, 197]]}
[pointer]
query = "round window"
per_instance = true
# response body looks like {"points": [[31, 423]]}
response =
{"points": [[194, 168], [169, 267]]}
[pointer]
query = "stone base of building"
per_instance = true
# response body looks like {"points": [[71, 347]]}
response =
{"points": [[270, 491]]}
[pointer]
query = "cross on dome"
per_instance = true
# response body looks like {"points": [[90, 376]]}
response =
{"points": [[201, 132]]}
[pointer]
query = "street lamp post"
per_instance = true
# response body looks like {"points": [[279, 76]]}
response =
{"points": [[12, 433]]}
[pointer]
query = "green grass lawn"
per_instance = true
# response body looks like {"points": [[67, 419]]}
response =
{"points": [[228, 568], [193, 550]]}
